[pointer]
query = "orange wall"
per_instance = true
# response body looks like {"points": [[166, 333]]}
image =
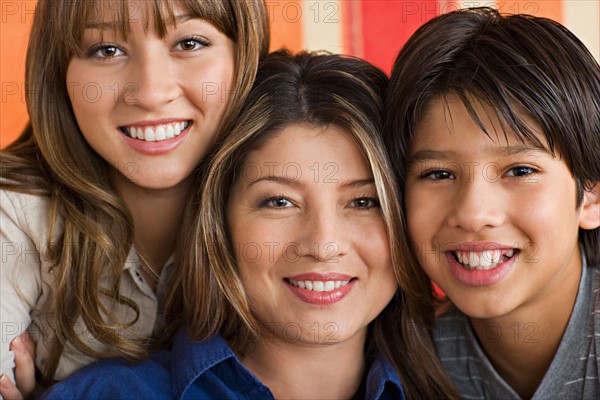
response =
{"points": [[15, 23]]}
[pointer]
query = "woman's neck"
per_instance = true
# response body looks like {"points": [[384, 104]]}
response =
{"points": [[307, 370]]}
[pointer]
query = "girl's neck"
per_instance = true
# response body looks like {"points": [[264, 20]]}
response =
{"points": [[522, 344], [157, 217], [306, 370]]}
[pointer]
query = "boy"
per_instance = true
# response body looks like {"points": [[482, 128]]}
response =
{"points": [[494, 124]]}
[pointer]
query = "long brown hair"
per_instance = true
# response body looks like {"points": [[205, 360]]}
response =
{"points": [[318, 90], [52, 158]]}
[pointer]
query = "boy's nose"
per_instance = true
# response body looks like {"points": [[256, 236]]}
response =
{"points": [[477, 205], [154, 83]]}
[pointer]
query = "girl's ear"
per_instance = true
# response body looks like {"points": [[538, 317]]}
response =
{"points": [[589, 218]]}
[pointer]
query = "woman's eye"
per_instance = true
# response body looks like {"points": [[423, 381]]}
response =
{"points": [[191, 44], [438, 175], [276, 202], [520, 171], [365, 203], [106, 52]]}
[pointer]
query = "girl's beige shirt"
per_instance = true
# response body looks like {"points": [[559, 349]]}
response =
{"points": [[26, 287]]}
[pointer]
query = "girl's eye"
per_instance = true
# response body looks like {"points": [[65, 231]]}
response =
{"points": [[276, 202], [105, 51], [520, 171], [191, 44], [365, 203], [438, 175]]}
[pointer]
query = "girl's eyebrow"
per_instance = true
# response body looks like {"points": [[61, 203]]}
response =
{"points": [[112, 25]]}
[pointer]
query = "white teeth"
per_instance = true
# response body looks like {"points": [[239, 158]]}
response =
{"points": [[473, 259], [496, 256], [483, 260], [170, 132], [319, 286], [486, 259], [149, 135], [161, 134], [157, 133]]}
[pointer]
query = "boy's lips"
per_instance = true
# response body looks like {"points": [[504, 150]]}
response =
{"points": [[481, 264]]}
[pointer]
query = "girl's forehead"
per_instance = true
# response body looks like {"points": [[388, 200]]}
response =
{"points": [[155, 15], [125, 12]]}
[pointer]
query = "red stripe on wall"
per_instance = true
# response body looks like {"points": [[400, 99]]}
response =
{"points": [[387, 25]]}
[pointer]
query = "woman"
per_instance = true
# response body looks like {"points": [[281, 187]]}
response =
{"points": [[301, 271]]}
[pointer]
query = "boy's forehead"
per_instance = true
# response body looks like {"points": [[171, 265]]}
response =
{"points": [[450, 116]]}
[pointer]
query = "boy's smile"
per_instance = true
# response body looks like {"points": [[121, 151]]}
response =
{"points": [[493, 221]]}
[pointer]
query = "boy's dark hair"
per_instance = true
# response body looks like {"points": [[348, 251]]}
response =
{"points": [[518, 64]]}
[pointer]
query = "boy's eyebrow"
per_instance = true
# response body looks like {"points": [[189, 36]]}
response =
{"points": [[112, 25], [433, 155]]}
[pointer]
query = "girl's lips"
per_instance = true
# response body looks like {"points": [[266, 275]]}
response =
{"points": [[154, 148], [480, 277]]}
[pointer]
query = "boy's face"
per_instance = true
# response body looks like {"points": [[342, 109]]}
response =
{"points": [[492, 221]]}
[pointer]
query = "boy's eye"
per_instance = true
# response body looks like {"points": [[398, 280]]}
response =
{"points": [[365, 203], [438, 175], [106, 51], [519, 171], [276, 202], [191, 44]]}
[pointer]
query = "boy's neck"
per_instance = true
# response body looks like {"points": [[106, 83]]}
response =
{"points": [[522, 344], [297, 371]]}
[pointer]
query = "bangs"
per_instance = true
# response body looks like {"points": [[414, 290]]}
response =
{"points": [[512, 117], [118, 15]]}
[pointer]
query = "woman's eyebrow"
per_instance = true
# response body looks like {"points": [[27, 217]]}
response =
{"points": [[283, 180]]}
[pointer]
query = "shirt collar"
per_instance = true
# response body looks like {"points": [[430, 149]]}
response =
{"points": [[133, 261], [191, 359], [381, 378]]}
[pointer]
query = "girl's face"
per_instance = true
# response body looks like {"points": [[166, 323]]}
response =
{"points": [[151, 106], [310, 239]]}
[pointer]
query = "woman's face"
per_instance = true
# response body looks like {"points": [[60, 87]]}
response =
{"points": [[151, 106], [309, 237]]}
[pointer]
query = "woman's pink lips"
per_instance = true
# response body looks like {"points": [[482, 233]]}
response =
{"points": [[477, 277], [321, 298], [156, 148]]}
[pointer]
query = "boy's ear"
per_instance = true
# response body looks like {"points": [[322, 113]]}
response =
{"points": [[589, 218]]}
